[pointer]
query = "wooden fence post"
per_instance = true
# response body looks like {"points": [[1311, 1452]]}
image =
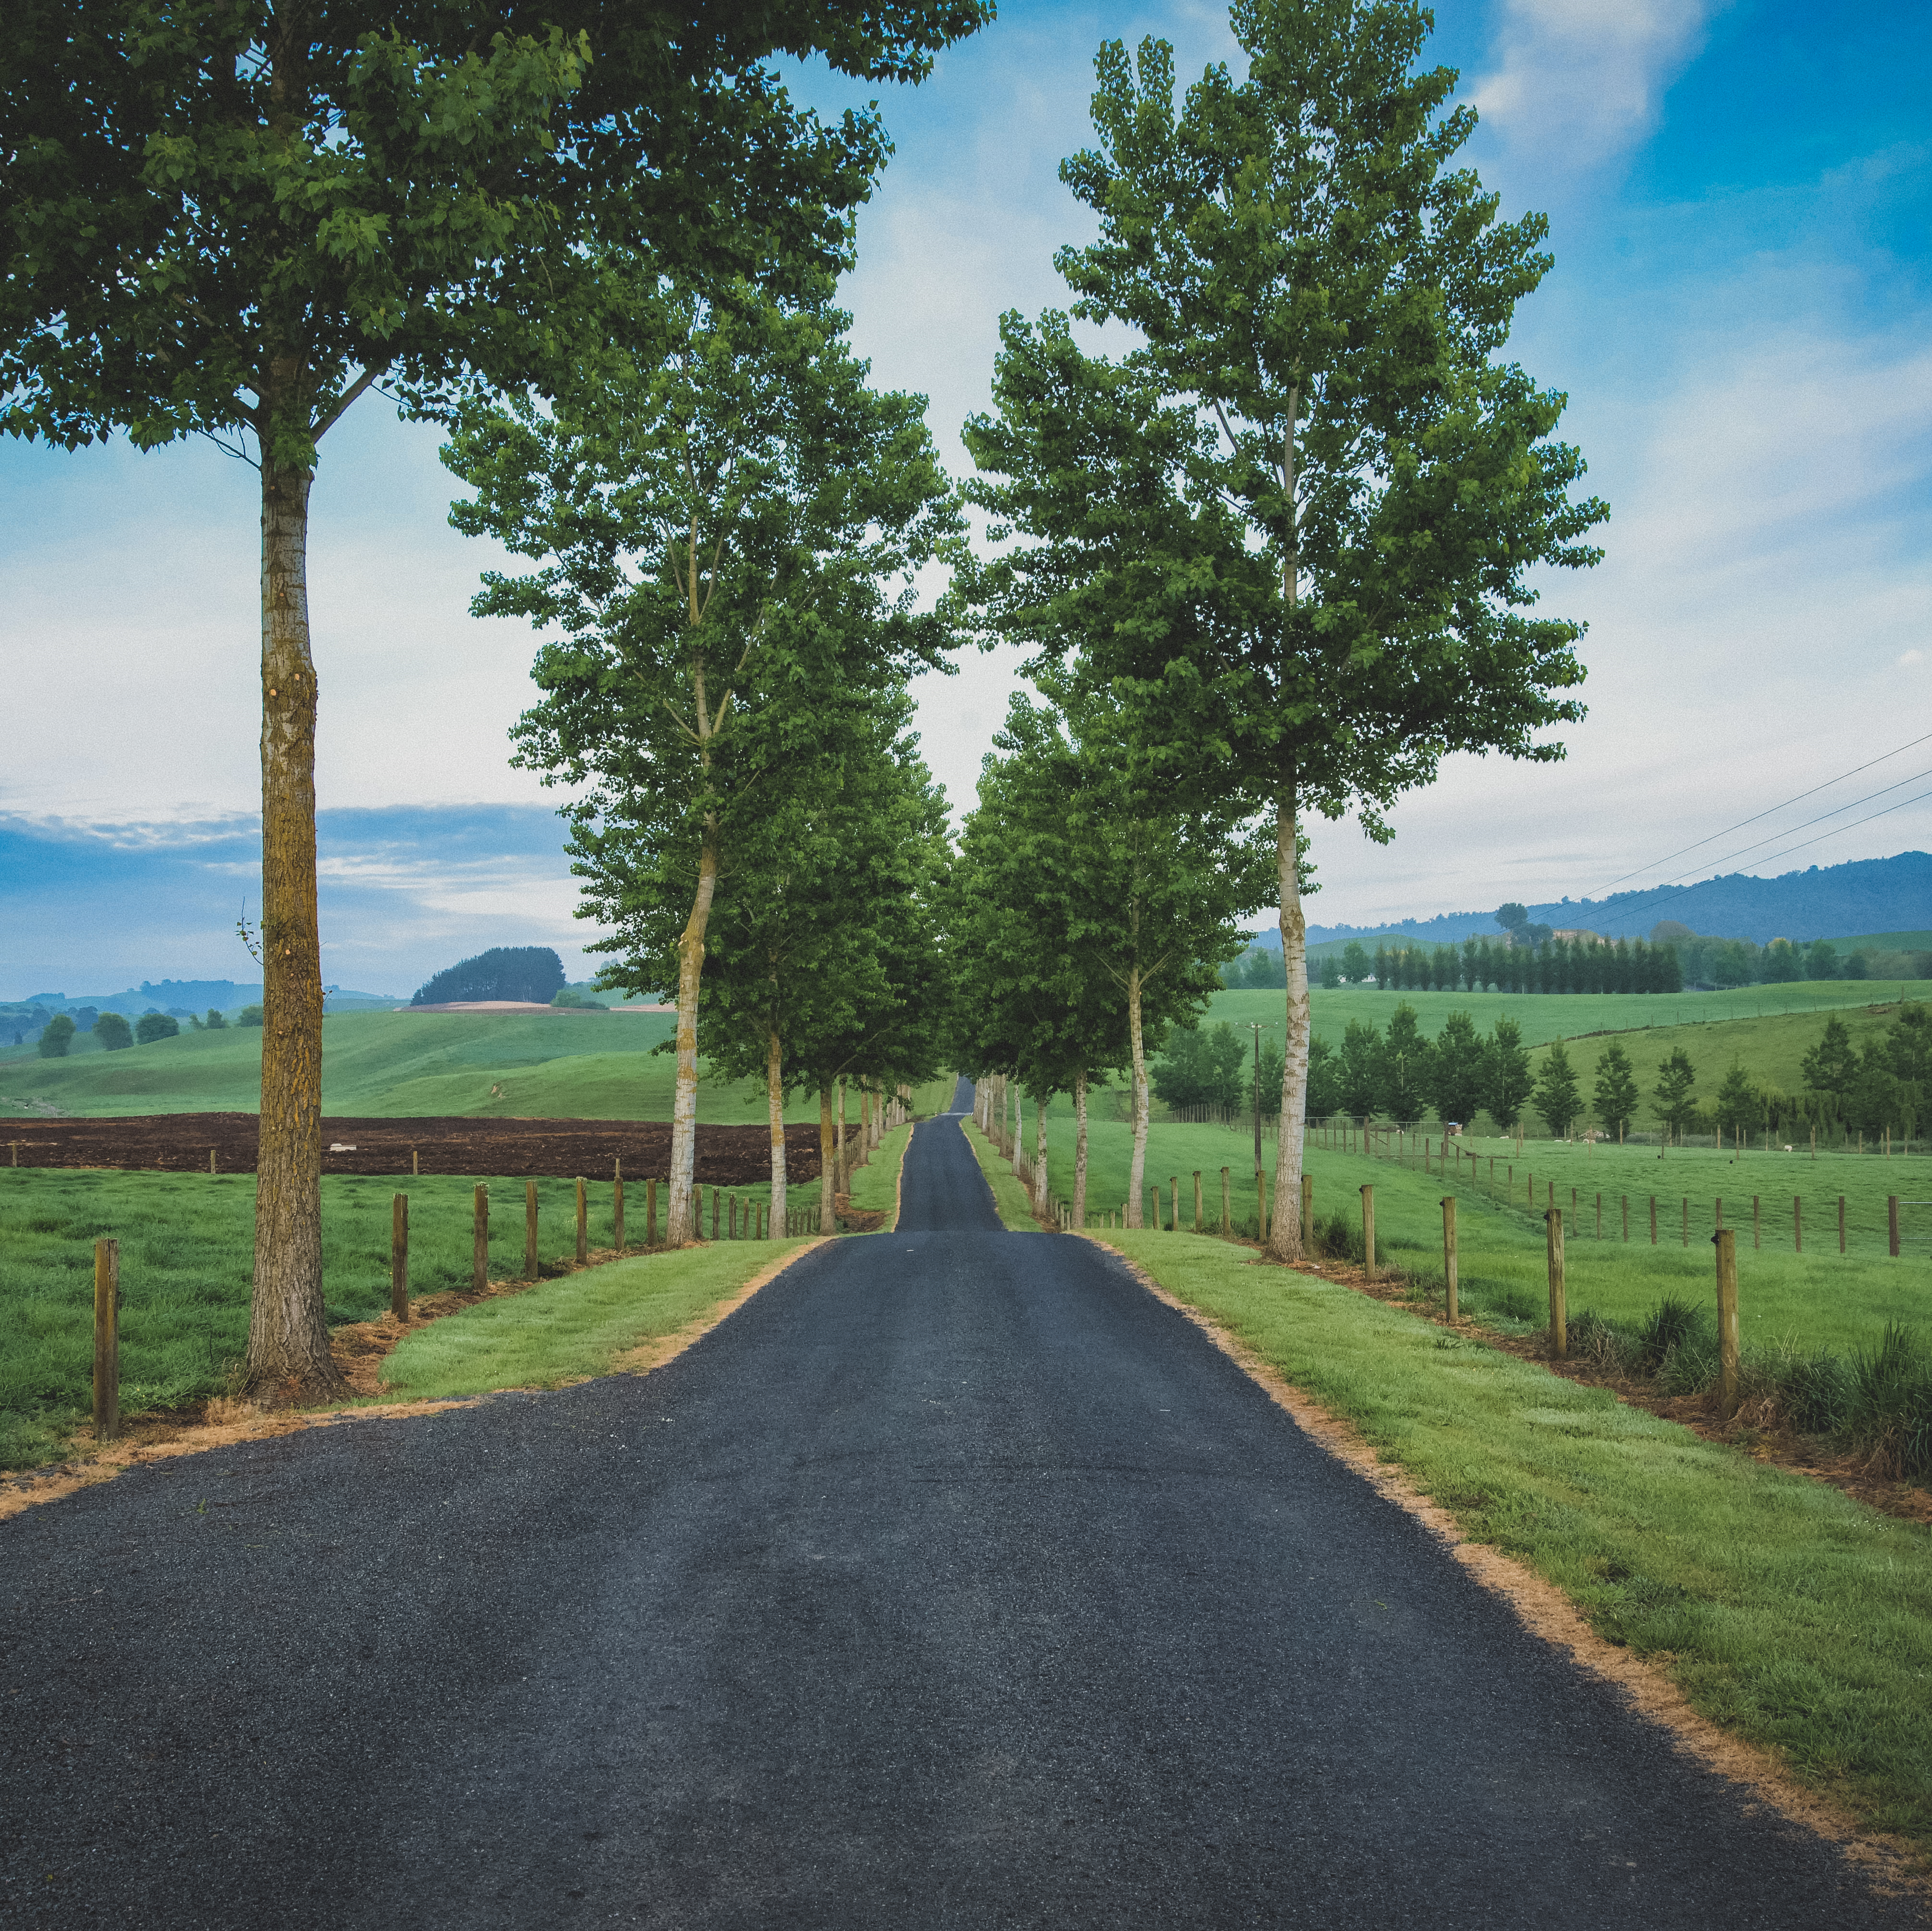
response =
{"points": [[1653, 1220], [479, 1256], [714, 1212], [1797, 1223], [211, 1160], [1449, 1254], [415, 1161], [1368, 1231], [1261, 1204], [1757, 1226], [1686, 1220], [1227, 1204], [1890, 1216], [106, 1340], [1197, 1200], [1725, 1241], [583, 1224], [1174, 1182], [1841, 1226], [1308, 1216], [651, 1211], [617, 1210], [399, 1258], [1559, 1324], [530, 1230]]}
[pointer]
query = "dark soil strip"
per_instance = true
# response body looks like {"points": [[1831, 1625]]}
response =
{"points": [[553, 1149]]}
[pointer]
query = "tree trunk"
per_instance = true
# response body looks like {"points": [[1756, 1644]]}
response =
{"points": [[1041, 1198], [1137, 1172], [679, 1227], [844, 1164], [1284, 1241], [828, 1166], [1016, 1153], [1284, 1238], [288, 1356], [775, 1102], [1080, 1148]]}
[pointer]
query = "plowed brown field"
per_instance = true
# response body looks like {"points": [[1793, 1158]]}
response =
{"points": [[556, 1149]]}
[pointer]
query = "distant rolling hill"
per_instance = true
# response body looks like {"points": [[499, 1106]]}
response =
{"points": [[1865, 897]]}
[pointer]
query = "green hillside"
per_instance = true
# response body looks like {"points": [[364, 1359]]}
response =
{"points": [[395, 1064], [1547, 1016]]}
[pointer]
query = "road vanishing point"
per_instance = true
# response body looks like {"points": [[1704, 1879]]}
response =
{"points": [[953, 1580]]}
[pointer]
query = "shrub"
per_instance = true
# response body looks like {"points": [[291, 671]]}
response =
{"points": [[1339, 1238], [153, 1026], [56, 1036], [113, 1032], [215, 1023], [1672, 1325], [249, 1015]]}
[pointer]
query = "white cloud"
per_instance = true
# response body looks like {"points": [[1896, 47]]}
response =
{"points": [[1579, 81]]}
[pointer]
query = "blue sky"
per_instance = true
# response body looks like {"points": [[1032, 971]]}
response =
{"points": [[1739, 198]]}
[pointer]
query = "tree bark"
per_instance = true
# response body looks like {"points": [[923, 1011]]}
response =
{"points": [[828, 1166], [775, 1102], [1284, 1242], [288, 1357], [679, 1227], [1080, 1148], [1137, 1170], [844, 1167], [1040, 1196]]}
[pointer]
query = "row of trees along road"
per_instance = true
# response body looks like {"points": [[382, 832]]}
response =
{"points": [[1283, 541], [231, 222], [728, 517], [1088, 911]]}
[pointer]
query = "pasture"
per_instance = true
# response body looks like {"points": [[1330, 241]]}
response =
{"points": [[187, 1259], [1815, 1299], [595, 1066]]}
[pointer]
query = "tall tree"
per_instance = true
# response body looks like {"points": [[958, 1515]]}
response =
{"points": [[1457, 1070], [1675, 1078], [1616, 1094], [727, 516], [1095, 912], [1556, 1094], [1292, 531], [231, 221], [1508, 1081]]}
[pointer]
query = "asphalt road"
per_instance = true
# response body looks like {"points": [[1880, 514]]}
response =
{"points": [[953, 1581]]}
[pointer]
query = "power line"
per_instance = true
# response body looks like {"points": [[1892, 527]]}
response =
{"points": [[1766, 813], [1809, 822], [1684, 891]]}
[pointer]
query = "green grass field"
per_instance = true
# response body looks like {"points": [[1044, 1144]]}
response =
{"points": [[1544, 1017], [392, 1065], [572, 1329], [1785, 1611], [187, 1260], [1813, 1300]]}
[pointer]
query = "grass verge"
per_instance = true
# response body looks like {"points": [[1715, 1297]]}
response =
{"points": [[573, 1329], [1784, 1611], [1009, 1197], [875, 1186]]}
